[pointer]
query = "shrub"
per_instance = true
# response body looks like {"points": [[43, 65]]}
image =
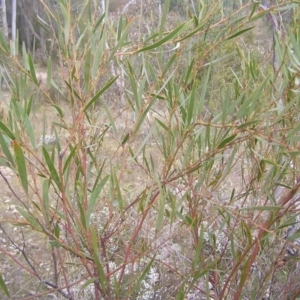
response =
{"points": [[141, 186]]}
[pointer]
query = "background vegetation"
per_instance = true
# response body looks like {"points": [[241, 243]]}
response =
{"points": [[151, 151]]}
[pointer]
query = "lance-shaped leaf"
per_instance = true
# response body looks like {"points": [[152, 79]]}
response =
{"points": [[239, 33], [49, 72], [21, 165], [227, 140], [32, 70], [53, 172], [88, 282], [94, 198], [168, 37], [5, 149], [3, 286], [7, 131], [30, 219], [87, 70], [95, 98], [143, 275], [102, 277], [46, 201]]}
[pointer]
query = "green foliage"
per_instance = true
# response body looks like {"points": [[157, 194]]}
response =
{"points": [[170, 168], [3, 286]]}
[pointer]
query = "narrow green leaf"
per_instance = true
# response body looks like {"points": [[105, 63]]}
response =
{"points": [[294, 41], [176, 31], [30, 219], [57, 230], [247, 232], [219, 59], [295, 138], [32, 70], [288, 6], [295, 130], [97, 58], [294, 236], [239, 33], [67, 23], [88, 282], [137, 285], [282, 111], [52, 169], [21, 164], [43, 24], [226, 141], [253, 9], [197, 256], [203, 90], [7, 131], [252, 100], [78, 43], [191, 111], [3, 286], [46, 201], [186, 36], [4, 44], [142, 145], [69, 159], [164, 127], [244, 273], [110, 117], [82, 214], [6, 150], [188, 76], [28, 106], [81, 11], [28, 125], [258, 16], [164, 17], [49, 72], [95, 98], [60, 125], [247, 124], [290, 222], [58, 109], [125, 139], [294, 153], [263, 208], [168, 65], [60, 34], [142, 116], [87, 69], [55, 244], [96, 255], [119, 30], [180, 294], [25, 57], [98, 23], [100, 169], [120, 44], [56, 86], [94, 198], [141, 91], [134, 87], [117, 189], [161, 208]]}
